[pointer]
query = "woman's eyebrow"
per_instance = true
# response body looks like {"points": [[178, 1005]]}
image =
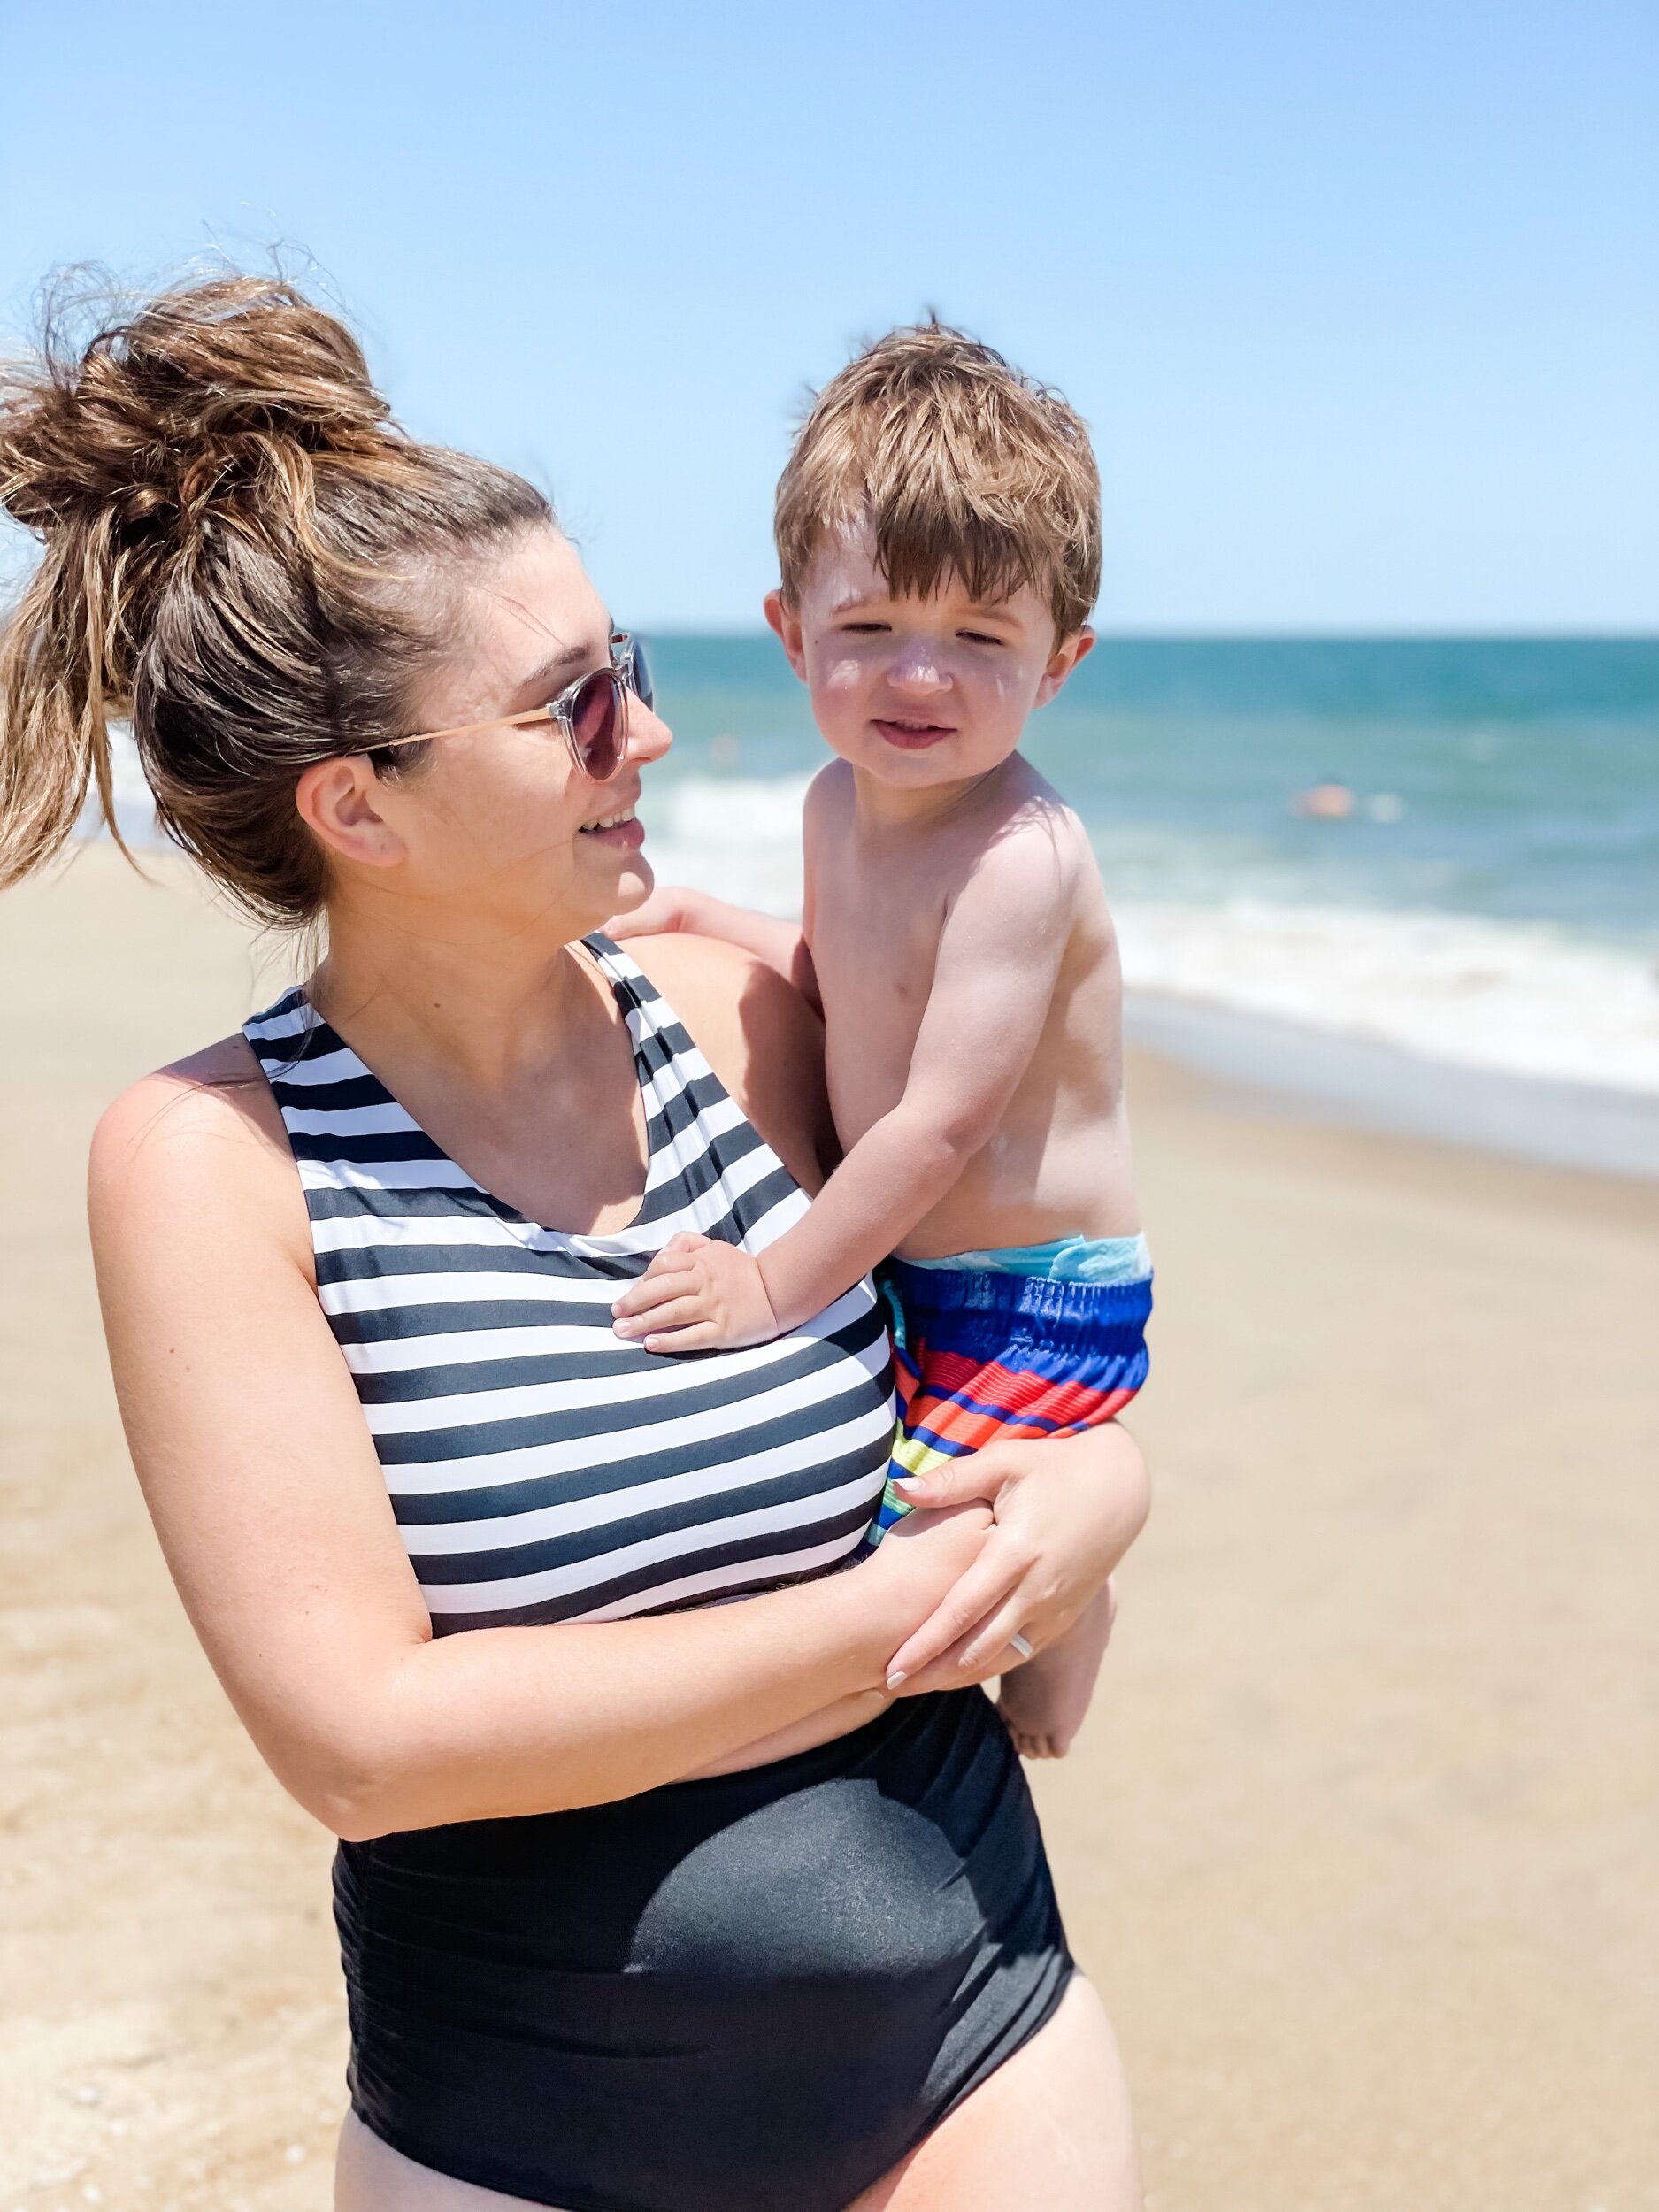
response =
{"points": [[542, 682]]}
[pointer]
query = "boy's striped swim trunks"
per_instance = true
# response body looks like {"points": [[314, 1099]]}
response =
{"points": [[984, 1354]]}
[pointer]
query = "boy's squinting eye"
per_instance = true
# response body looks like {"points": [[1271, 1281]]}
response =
{"points": [[979, 637]]}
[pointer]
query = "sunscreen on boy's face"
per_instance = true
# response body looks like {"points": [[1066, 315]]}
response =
{"points": [[918, 692]]}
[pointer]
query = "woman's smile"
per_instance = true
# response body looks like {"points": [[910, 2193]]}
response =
{"points": [[621, 829]]}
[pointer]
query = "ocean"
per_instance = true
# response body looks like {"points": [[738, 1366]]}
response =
{"points": [[1487, 909], [1491, 901]]}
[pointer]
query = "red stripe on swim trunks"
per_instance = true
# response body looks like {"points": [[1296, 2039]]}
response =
{"points": [[963, 1402]]}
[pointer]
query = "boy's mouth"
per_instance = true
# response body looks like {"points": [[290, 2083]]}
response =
{"points": [[912, 734]]}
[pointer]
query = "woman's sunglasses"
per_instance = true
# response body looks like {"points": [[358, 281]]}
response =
{"points": [[593, 712]]}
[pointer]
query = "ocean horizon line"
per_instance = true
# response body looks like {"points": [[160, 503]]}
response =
{"points": [[750, 633]]}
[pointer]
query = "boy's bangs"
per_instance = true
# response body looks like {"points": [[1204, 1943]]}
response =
{"points": [[921, 545], [959, 465]]}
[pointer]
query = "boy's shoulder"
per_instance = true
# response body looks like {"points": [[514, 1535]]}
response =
{"points": [[1023, 823], [829, 797], [1026, 863]]}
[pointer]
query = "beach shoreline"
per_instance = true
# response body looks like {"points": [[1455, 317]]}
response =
{"points": [[1281, 1067], [1357, 1844]]}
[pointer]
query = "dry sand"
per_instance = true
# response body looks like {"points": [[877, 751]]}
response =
{"points": [[1361, 1844]]}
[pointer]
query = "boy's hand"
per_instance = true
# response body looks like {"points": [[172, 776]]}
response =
{"points": [[696, 1295], [670, 907]]}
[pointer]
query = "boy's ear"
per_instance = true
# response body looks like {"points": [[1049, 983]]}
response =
{"points": [[787, 624], [1067, 654], [335, 799]]}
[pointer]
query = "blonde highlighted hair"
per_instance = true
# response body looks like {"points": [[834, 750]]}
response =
{"points": [[960, 465], [241, 553]]}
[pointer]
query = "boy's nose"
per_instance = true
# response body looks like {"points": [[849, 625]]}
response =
{"points": [[917, 671]]}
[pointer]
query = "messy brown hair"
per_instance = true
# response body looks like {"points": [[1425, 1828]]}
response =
{"points": [[242, 555], [960, 464]]}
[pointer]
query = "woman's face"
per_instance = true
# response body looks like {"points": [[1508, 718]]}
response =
{"points": [[498, 826]]}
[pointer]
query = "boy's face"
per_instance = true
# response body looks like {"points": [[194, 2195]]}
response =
{"points": [[918, 692]]}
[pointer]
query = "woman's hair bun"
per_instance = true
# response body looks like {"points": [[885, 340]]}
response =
{"points": [[241, 555], [161, 412]]}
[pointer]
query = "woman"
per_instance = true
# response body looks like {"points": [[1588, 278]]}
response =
{"points": [[645, 1900]]}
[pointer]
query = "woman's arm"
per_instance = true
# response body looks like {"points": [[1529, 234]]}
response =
{"points": [[1067, 1509], [273, 1512]]}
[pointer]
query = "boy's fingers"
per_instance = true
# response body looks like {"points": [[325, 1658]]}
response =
{"points": [[695, 1336], [669, 1313], [673, 1253], [652, 1291], [985, 1586]]}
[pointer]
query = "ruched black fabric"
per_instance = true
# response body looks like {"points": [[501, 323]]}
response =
{"points": [[752, 1993]]}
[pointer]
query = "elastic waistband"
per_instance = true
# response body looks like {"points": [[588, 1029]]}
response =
{"points": [[1073, 1259], [966, 1307]]}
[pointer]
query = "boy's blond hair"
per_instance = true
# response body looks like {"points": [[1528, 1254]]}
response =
{"points": [[959, 463]]}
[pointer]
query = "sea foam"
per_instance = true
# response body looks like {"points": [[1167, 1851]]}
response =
{"points": [[1512, 997], [1521, 998]]}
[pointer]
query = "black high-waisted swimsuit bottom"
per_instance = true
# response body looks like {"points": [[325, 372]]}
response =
{"points": [[752, 1993]]}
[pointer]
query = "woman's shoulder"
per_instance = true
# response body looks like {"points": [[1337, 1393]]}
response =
{"points": [[756, 1032], [201, 1136]]}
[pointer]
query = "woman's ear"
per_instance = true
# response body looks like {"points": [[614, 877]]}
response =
{"points": [[337, 800], [786, 622]]}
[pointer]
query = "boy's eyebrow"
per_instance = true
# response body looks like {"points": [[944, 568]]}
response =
{"points": [[997, 609]]}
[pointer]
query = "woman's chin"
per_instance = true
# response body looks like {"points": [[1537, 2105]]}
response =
{"points": [[636, 880]]}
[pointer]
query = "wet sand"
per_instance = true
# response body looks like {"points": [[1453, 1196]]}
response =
{"points": [[1360, 1842]]}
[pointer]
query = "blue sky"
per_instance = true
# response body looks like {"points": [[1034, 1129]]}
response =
{"points": [[1360, 300]]}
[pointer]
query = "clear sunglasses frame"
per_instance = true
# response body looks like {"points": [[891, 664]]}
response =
{"points": [[628, 674]]}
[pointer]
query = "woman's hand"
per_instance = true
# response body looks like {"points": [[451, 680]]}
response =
{"points": [[1066, 1509], [918, 1563]]}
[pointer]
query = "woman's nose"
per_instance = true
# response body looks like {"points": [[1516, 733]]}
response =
{"points": [[649, 737]]}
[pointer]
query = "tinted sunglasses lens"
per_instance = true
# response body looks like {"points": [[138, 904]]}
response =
{"points": [[596, 725], [638, 674]]}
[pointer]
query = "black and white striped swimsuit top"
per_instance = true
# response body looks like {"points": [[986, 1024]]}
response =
{"points": [[539, 1468]]}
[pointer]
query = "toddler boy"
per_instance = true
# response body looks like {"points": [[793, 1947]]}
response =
{"points": [[938, 530]]}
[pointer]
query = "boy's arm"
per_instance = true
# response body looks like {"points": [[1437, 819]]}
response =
{"points": [[999, 958], [677, 909], [785, 945]]}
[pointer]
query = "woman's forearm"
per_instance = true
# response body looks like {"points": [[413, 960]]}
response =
{"points": [[496, 1722], [823, 1726]]}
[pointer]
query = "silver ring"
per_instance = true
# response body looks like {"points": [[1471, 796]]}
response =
{"points": [[1019, 1644]]}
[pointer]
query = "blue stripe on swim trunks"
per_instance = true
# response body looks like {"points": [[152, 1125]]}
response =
{"points": [[1025, 1342]]}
